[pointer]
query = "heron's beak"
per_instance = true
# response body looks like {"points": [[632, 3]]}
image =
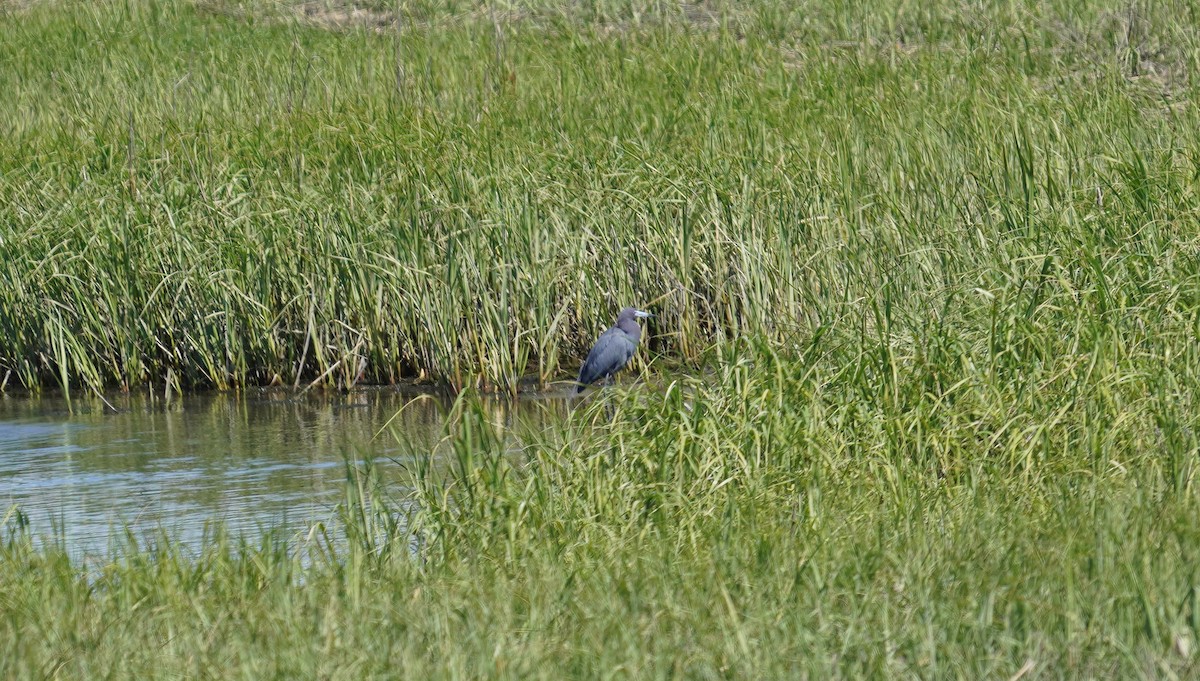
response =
{"points": [[641, 314]]}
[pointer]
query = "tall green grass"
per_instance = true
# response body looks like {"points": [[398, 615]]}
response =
{"points": [[936, 265], [844, 514], [215, 194]]}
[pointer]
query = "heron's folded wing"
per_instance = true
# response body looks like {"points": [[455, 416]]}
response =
{"points": [[611, 352]]}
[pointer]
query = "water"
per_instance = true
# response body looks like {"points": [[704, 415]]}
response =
{"points": [[263, 460]]}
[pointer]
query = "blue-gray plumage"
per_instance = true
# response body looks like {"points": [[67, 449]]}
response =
{"points": [[613, 349]]}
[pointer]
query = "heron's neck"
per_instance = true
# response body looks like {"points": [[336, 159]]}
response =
{"points": [[631, 329]]}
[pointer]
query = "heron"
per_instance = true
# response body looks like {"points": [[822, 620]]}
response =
{"points": [[613, 349]]}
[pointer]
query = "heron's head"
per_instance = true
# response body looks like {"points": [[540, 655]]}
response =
{"points": [[631, 313]]}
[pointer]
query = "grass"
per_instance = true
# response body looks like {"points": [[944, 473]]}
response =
{"points": [[935, 267], [214, 195], [766, 522]]}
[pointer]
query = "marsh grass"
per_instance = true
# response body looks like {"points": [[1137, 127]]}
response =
{"points": [[936, 265], [765, 522], [220, 198]]}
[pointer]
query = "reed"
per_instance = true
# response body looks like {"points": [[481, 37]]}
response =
{"points": [[216, 194], [932, 267], [782, 517]]}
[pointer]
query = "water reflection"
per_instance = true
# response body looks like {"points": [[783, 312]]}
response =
{"points": [[255, 461]]}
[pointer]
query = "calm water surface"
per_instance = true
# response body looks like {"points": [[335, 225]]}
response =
{"points": [[254, 461]]}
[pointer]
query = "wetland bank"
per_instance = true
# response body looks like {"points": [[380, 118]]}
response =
{"points": [[919, 398]]}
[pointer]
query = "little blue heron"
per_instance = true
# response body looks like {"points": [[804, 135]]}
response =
{"points": [[613, 349]]}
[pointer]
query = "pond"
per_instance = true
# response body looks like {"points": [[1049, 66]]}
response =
{"points": [[82, 472]]}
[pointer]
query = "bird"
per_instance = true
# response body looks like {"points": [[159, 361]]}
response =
{"points": [[613, 349]]}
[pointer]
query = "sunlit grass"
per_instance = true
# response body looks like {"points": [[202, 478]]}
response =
{"points": [[221, 194], [935, 266], [765, 522]]}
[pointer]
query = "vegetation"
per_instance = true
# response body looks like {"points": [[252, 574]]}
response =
{"points": [[222, 193], [936, 264], [779, 519]]}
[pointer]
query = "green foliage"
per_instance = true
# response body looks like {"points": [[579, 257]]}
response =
{"points": [[223, 193], [765, 521], [935, 263]]}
